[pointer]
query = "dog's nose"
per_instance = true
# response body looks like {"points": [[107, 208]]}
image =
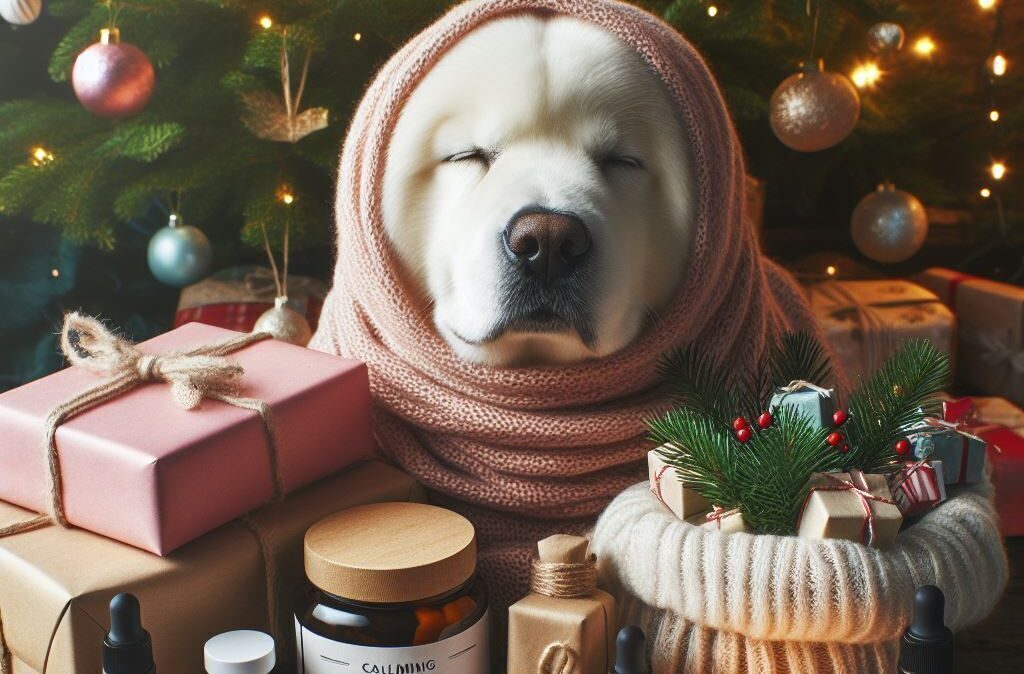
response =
{"points": [[550, 244]]}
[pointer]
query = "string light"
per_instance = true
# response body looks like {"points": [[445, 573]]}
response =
{"points": [[986, 4], [924, 46], [998, 170], [266, 22], [998, 65], [985, 193], [712, 11], [357, 37], [285, 195], [40, 156], [866, 75], [831, 270], [55, 273]]}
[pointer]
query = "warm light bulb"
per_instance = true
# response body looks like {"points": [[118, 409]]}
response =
{"points": [[266, 21], [712, 10], [985, 193], [866, 75], [40, 156], [986, 4], [831, 270], [285, 195], [998, 170], [994, 115], [357, 37], [998, 65], [924, 46], [55, 273]]}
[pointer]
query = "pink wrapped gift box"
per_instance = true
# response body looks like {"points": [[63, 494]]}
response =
{"points": [[142, 470]]}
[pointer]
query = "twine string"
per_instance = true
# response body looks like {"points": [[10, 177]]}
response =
{"points": [[564, 580], [656, 484]]}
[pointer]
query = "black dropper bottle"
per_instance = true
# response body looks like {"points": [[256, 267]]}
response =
{"points": [[927, 645], [127, 648], [630, 652]]}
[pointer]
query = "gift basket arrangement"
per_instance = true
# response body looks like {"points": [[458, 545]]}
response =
{"points": [[784, 530]]}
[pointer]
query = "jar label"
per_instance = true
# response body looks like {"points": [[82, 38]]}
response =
{"points": [[464, 653]]}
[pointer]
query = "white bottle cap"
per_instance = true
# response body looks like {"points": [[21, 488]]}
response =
{"points": [[241, 652]]}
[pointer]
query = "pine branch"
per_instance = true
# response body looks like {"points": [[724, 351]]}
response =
{"points": [[799, 356], [902, 392], [695, 382]]}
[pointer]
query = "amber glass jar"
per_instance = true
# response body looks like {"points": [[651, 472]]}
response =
{"points": [[393, 590]]}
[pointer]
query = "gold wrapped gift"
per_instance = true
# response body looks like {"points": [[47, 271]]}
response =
{"points": [[57, 583], [565, 623]]}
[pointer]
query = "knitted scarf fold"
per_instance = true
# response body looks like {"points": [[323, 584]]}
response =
{"points": [[526, 452]]}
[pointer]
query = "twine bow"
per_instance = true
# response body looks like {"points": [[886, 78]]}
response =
{"points": [[859, 487], [202, 372], [800, 385], [718, 513]]}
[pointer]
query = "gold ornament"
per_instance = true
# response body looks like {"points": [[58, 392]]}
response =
{"points": [[814, 109], [284, 324], [270, 118]]}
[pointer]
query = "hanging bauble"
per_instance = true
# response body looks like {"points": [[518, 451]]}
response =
{"points": [[113, 78], [889, 225], [814, 109], [179, 254], [284, 323], [20, 12], [885, 38]]}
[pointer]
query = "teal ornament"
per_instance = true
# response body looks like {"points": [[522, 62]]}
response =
{"points": [[815, 403], [179, 255]]}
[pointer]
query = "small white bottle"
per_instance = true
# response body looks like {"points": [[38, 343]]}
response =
{"points": [[240, 652]]}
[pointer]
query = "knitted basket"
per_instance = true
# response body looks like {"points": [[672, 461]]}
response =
{"points": [[737, 603]]}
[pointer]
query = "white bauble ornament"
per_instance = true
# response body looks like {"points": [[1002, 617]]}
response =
{"points": [[889, 225], [284, 323], [20, 12], [179, 255], [814, 109], [885, 37]]}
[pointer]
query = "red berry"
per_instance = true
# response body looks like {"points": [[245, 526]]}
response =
{"points": [[743, 434], [739, 423], [844, 448], [834, 439], [903, 447], [839, 417], [765, 420]]}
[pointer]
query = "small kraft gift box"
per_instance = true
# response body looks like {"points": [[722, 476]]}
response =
{"points": [[853, 506], [56, 583], [158, 443], [667, 486], [990, 316], [565, 624], [719, 519], [865, 322]]}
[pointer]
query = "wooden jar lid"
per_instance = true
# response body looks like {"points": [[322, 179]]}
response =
{"points": [[390, 553]]}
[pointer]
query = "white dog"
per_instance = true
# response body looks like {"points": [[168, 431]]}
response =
{"points": [[538, 191]]}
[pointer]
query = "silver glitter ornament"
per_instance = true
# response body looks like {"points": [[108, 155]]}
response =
{"points": [[889, 225], [284, 323], [20, 12], [179, 255], [885, 37], [814, 109]]}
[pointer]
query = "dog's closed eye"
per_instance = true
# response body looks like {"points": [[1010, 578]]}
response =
{"points": [[619, 161], [475, 155]]}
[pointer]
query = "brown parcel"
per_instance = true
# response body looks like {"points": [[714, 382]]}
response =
{"points": [[55, 584], [585, 624], [840, 514]]}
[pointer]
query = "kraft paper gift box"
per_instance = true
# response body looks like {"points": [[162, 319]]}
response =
{"points": [[833, 509], [865, 322], [726, 521], [669, 489], [144, 471], [236, 297], [540, 625], [57, 583]]}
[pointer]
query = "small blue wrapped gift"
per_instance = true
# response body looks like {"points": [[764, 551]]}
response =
{"points": [[814, 402], [962, 454]]}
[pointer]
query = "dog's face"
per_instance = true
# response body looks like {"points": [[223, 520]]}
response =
{"points": [[538, 190]]}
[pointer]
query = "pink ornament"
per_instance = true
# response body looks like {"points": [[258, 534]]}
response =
{"points": [[113, 78]]}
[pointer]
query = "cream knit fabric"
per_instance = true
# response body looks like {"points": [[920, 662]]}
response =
{"points": [[715, 603]]}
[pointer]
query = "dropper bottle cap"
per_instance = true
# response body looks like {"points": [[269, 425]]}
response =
{"points": [[127, 649], [927, 645], [630, 652]]}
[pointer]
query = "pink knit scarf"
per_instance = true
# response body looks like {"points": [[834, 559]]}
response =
{"points": [[526, 452]]}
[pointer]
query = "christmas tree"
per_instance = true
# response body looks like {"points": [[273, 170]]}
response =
{"points": [[242, 130]]}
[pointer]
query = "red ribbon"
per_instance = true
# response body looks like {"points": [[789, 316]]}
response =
{"points": [[954, 285], [656, 484], [859, 486], [717, 514]]}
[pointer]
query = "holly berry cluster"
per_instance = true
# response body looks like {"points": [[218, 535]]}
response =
{"points": [[835, 439]]}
